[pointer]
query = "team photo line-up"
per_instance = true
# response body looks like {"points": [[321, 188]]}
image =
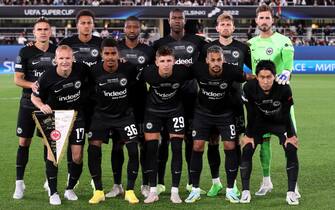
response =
{"points": [[145, 98]]}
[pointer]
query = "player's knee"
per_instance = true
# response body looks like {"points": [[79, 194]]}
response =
{"points": [[24, 142], [229, 145], [198, 146]]}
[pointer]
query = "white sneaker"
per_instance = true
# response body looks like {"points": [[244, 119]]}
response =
{"points": [[55, 199], [145, 190], [19, 189], [175, 198], [116, 190], [70, 195], [232, 196], [246, 196], [152, 197], [296, 191], [264, 188], [292, 198]]}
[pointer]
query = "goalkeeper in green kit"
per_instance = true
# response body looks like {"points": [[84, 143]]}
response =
{"points": [[270, 45]]}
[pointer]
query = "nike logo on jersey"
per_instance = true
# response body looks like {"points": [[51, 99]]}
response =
{"points": [[35, 62]]}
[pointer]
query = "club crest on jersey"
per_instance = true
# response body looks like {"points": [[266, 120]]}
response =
{"points": [[194, 132], [55, 135], [276, 103], [94, 52], [123, 82], [18, 59], [141, 59], [148, 125], [175, 86], [19, 130], [77, 84], [189, 49], [89, 134], [54, 62], [269, 51], [223, 85], [236, 54]]}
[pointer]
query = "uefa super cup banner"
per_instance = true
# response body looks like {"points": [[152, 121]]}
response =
{"points": [[56, 129]]}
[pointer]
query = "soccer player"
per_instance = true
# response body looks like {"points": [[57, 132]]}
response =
{"points": [[31, 63], [134, 52], [279, 49], [214, 112], [164, 109], [112, 113], [86, 50], [186, 49], [61, 87], [268, 108], [238, 54]]}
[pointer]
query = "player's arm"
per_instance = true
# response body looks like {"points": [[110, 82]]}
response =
{"points": [[247, 57], [19, 80], [287, 103], [20, 72], [251, 110], [36, 99], [287, 54]]}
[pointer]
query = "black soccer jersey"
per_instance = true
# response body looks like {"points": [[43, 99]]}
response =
{"points": [[141, 55], [87, 52], [111, 89], [214, 96], [272, 109], [236, 53], [186, 50], [62, 93], [164, 96], [33, 62]]}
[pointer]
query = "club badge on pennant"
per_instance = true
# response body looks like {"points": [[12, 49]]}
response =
{"points": [[56, 129]]}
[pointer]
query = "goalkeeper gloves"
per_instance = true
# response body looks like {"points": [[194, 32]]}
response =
{"points": [[284, 77]]}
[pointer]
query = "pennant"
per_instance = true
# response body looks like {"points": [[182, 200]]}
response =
{"points": [[56, 129]]}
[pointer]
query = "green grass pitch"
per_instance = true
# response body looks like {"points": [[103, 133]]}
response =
{"points": [[314, 97]]}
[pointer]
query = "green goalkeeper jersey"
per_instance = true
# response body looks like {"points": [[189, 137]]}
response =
{"points": [[277, 48]]}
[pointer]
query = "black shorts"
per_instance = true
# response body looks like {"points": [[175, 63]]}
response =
{"points": [[205, 126], [103, 127], [77, 136], [277, 130], [25, 124], [154, 123], [238, 108]]}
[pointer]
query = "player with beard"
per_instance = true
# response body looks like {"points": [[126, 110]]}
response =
{"points": [[214, 111], [134, 52], [112, 113], [186, 49], [31, 63], [238, 54], [86, 50], [268, 108], [60, 88], [278, 48]]}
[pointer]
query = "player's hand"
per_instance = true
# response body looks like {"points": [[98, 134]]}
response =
{"points": [[46, 109], [292, 140], [34, 87], [284, 77], [246, 140]]}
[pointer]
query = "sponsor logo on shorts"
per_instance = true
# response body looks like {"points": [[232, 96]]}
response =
{"points": [[194, 133], [19, 130], [149, 125], [55, 135], [269, 51]]}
